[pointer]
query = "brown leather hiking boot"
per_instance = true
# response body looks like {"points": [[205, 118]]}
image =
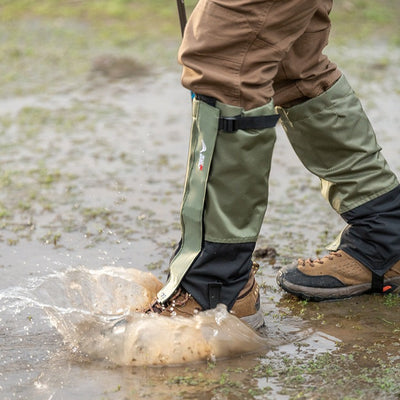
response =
{"points": [[335, 276], [247, 305]]}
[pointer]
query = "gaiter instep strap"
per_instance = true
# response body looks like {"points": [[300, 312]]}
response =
{"points": [[377, 283]]}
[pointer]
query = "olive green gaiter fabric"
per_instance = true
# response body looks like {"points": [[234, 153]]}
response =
{"points": [[224, 201], [334, 139], [203, 136], [237, 189]]}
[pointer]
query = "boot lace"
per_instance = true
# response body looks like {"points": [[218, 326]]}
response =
{"points": [[312, 262], [178, 299]]}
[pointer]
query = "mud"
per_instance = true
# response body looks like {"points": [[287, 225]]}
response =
{"points": [[92, 167]]}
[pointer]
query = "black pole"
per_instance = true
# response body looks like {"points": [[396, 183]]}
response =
{"points": [[182, 14]]}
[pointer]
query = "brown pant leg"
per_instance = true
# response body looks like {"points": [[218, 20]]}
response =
{"points": [[305, 72], [232, 49]]}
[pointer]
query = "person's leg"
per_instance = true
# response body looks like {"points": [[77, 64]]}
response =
{"points": [[231, 52], [236, 51], [334, 139], [305, 72]]}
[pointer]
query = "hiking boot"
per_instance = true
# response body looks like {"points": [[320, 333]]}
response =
{"points": [[181, 303], [335, 276], [246, 307]]}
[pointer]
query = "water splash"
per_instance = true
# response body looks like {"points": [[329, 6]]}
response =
{"points": [[97, 312]]}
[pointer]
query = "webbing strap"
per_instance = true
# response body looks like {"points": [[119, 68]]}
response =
{"points": [[233, 124], [377, 283]]}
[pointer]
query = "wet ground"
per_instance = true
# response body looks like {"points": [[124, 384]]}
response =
{"points": [[92, 167]]}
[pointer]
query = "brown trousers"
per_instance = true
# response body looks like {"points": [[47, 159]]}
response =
{"points": [[246, 52]]}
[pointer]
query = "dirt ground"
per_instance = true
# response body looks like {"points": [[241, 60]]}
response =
{"points": [[93, 155]]}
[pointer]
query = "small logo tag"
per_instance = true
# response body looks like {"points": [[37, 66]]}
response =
{"points": [[201, 157]]}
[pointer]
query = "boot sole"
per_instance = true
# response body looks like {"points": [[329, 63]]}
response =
{"points": [[321, 294], [254, 321]]}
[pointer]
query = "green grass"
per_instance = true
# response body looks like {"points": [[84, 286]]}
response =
{"points": [[127, 20], [362, 19], [325, 376], [50, 41]]}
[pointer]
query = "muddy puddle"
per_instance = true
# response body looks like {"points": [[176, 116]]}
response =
{"points": [[91, 176]]}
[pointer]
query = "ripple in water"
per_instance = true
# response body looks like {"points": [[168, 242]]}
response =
{"points": [[97, 312]]}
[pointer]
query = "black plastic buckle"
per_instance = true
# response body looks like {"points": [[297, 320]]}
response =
{"points": [[229, 124]]}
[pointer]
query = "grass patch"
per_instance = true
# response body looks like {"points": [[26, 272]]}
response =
{"points": [[54, 41], [322, 377], [359, 19], [127, 20]]}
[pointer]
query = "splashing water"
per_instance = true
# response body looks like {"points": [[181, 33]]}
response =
{"points": [[97, 312]]}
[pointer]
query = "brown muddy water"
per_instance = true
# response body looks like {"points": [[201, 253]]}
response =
{"points": [[91, 177]]}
